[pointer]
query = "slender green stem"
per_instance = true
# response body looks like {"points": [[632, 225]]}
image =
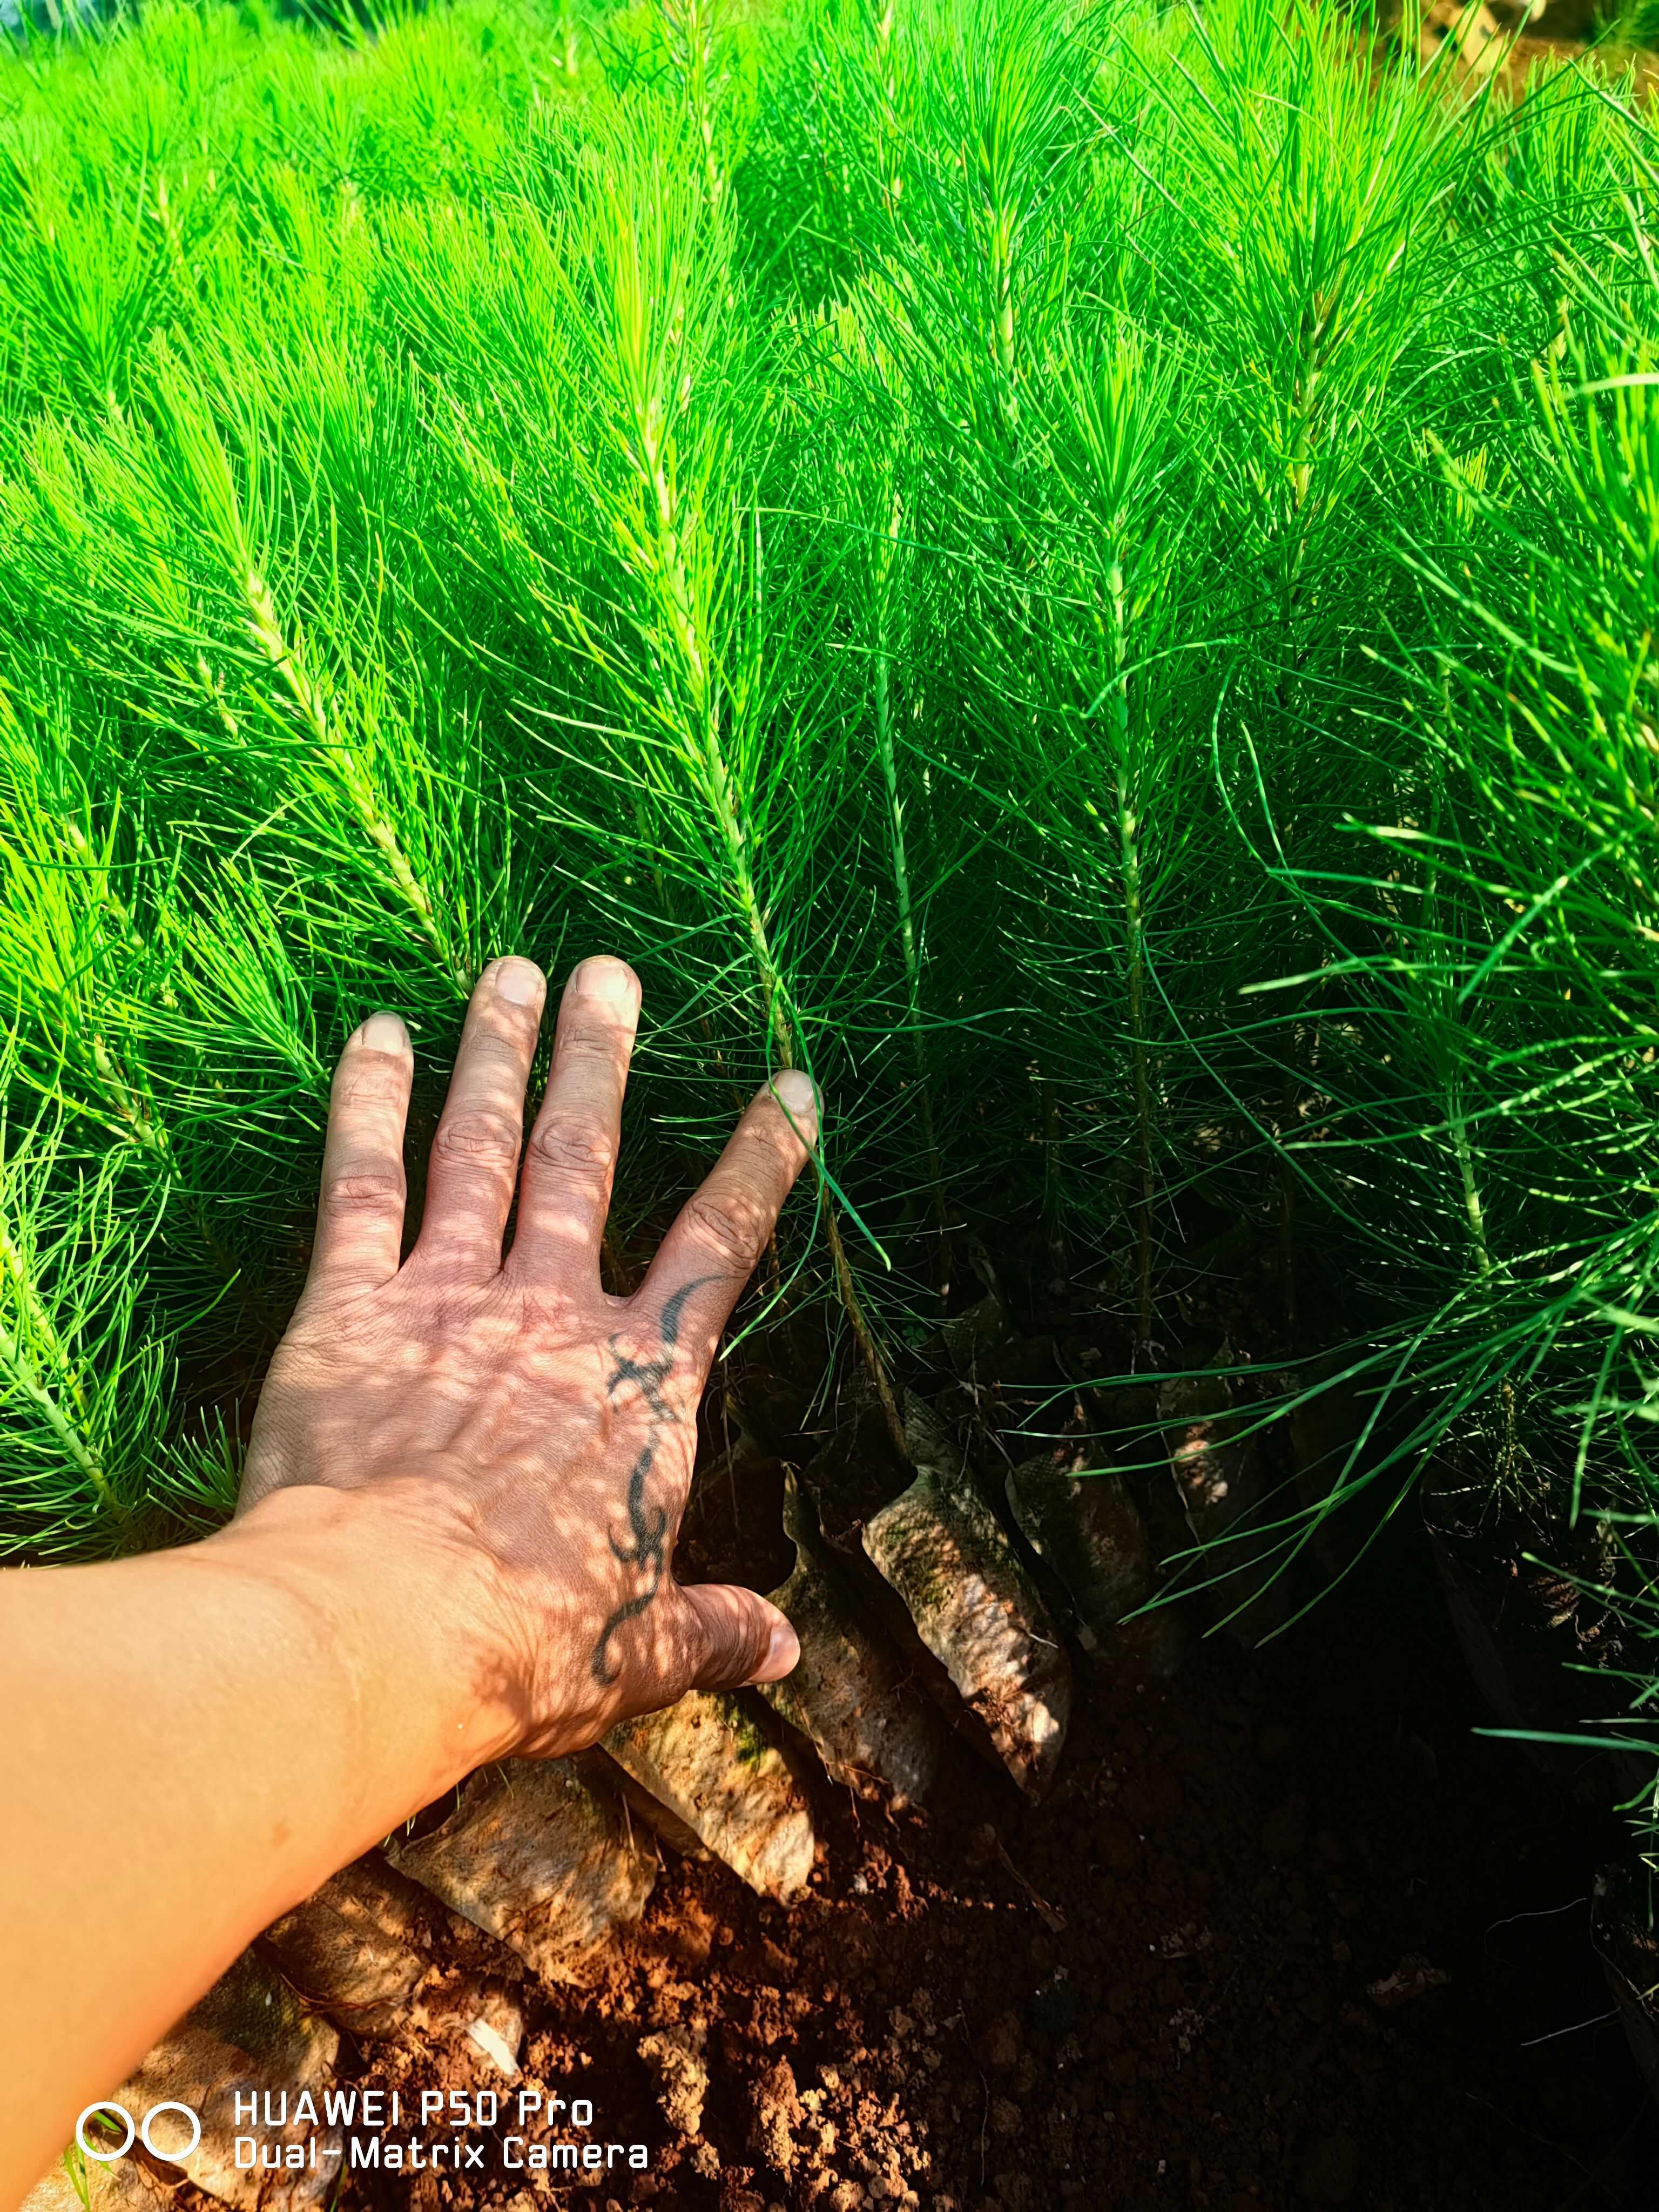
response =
{"points": [[887, 754], [1134, 936], [704, 732]]}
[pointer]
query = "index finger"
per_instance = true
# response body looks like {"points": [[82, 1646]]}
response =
{"points": [[709, 1254]]}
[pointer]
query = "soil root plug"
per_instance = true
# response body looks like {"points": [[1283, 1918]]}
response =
{"points": [[1089, 1530], [597, 1768], [1526, 1642], [120, 2187], [532, 1854], [249, 2062], [974, 1606], [969, 1336], [361, 1949], [1328, 1428], [1629, 1950], [1220, 1478], [849, 1694], [706, 1761]]}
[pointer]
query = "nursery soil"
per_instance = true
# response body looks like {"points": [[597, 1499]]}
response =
{"points": [[1287, 1932]]}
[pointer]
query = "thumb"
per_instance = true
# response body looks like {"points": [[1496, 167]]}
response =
{"points": [[737, 1638]]}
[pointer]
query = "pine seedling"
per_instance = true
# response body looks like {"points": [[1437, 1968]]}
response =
{"points": [[866, 478], [974, 240], [158, 1012], [1487, 1131], [700, 782], [1306, 252], [1138, 923], [85, 1384], [821, 182], [977, 252]]}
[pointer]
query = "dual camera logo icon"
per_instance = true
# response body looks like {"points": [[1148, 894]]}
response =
{"points": [[137, 2131]]}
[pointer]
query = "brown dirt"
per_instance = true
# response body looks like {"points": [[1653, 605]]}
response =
{"points": [[1152, 1989], [1557, 44], [1287, 1932]]}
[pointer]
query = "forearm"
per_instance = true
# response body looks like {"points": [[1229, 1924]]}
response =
{"points": [[169, 1793]]}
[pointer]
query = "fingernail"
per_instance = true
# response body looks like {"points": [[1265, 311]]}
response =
{"points": [[518, 982], [794, 1091], [384, 1033], [612, 982], [782, 1654]]}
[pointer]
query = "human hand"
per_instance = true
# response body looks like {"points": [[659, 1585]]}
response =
{"points": [[512, 1443]]}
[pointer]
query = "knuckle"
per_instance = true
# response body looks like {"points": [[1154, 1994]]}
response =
{"points": [[730, 1223], [594, 1042], [480, 1139], [689, 1654], [358, 1085], [370, 1191], [494, 1045], [725, 1649], [576, 1145]]}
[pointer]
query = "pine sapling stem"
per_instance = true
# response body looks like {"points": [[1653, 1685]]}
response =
{"points": [[1473, 1209], [1002, 295], [1295, 540], [689, 21], [1134, 935], [704, 730], [780, 1027], [1456, 1122], [310, 707], [1288, 1256], [887, 753], [890, 133], [27, 1378], [1051, 1173]]}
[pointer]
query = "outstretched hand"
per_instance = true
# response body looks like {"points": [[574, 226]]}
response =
{"points": [[530, 1434], [454, 1543]]}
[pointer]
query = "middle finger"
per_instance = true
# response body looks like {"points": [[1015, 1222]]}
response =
{"points": [[573, 1147]]}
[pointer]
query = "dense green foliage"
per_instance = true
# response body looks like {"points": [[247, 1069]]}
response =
{"points": [[1086, 573]]}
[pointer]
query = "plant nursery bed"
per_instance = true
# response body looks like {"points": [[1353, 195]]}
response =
{"points": [[1084, 577], [1287, 1932]]}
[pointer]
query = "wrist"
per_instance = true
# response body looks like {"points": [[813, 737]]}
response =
{"points": [[379, 1587]]}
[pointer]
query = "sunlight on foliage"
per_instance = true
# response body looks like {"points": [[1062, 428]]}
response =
{"points": [[1085, 573]]}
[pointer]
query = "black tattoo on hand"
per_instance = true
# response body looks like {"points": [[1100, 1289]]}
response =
{"points": [[646, 1547]]}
